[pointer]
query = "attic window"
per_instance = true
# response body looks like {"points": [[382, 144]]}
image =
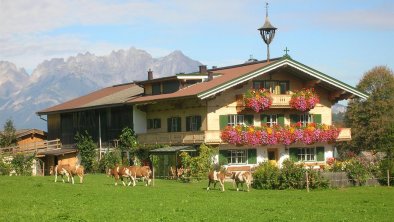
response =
{"points": [[156, 89]]}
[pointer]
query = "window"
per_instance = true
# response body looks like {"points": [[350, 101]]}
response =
{"points": [[193, 123], [274, 86], [307, 154], [305, 119], [237, 157], [154, 123], [234, 120], [272, 120], [174, 124], [156, 88], [170, 86]]}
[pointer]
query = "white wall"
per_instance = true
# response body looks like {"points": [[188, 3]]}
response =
{"points": [[139, 120]]}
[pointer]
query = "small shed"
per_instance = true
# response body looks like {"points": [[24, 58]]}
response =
{"points": [[28, 136], [58, 156], [169, 157]]}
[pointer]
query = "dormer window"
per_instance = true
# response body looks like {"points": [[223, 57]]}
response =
{"points": [[274, 86]]}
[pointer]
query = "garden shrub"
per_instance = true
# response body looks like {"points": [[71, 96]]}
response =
{"points": [[5, 167], [292, 175], [87, 149], [316, 180], [266, 176], [200, 165], [22, 164], [358, 170], [384, 165]]}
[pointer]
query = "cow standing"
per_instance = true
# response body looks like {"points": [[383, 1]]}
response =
{"points": [[120, 173], [63, 170], [216, 176], [143, 172], [79, 171], [241, 178]]}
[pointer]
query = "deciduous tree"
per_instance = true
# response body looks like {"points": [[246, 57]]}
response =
{"points": [[372, 119], [8, 137]]}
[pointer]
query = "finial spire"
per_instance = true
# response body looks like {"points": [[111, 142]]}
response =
{"points": [[267, 32], [266, 9]]}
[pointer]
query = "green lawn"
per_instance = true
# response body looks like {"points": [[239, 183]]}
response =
{"points": [[40, 199]]}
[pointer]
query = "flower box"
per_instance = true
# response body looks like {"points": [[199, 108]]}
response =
{"points": [[304, 100], [258, 99]]}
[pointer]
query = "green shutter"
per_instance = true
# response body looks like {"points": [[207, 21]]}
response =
{"points": [[248, 119], [293, 153], [179, 125], [198, 120], [169, 125], [252, 156], [223, 157], [294, 118], [317, 118], [223, 121], [188, 118], [263, 119], [320, 153], [148, 123], [158, 123], [281, 119]]}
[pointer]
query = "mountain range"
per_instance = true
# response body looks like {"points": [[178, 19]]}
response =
{"points": [[57, 80]]}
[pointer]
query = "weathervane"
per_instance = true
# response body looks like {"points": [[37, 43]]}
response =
{"points": [[267, 32]]}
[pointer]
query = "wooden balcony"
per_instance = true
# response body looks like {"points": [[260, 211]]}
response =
{"points": [[278, 101], [208, 137], [345, 135]]}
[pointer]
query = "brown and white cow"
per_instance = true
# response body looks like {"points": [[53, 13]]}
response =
{"points": [[143, 172], [79, 171], [69, 171], [241, 178], [63, 170], [120, 173], [216, 176]]}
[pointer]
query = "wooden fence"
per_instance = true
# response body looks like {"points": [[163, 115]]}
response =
{"points": [[32, 147]]}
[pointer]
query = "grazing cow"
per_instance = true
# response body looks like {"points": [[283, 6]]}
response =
{"points": [[63, 170], [241, 178], [79, 171], [216, 176], [120, 172], [143, 172]]}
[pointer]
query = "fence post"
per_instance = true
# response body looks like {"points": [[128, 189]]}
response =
{"points": [[153, 177], [307, 181], [388, 177]]}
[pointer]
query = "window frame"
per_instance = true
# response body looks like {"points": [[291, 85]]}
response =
{"points": [[194, 124], [274, 86], [305, 119], [307, 154], [240, 156], [270, 121], [235, 119]]}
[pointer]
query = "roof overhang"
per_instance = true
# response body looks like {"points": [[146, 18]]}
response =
{"points": [[284, 62], [173, 149], [56, 152]]}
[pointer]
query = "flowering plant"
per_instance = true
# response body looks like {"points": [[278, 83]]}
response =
{"points": [[304, 100], [258, 99], [286, 135]]}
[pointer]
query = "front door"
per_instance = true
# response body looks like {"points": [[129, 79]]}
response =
{"points": [[273, 156]]}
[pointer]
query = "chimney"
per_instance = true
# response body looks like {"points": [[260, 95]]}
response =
{"points": [[210, 76], [150, 74], [203, 69]]}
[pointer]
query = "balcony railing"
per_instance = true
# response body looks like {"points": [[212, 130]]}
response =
{"points": [[208, 137], [278, 101]]}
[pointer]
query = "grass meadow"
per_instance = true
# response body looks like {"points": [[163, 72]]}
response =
{"points": [[40, 199]]}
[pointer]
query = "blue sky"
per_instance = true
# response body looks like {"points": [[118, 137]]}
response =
{"points": [[343, 39]]}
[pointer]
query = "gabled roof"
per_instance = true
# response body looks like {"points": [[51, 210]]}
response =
{"points": [[228, 77], [106, 97], [222, 75], [286, 61]]}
